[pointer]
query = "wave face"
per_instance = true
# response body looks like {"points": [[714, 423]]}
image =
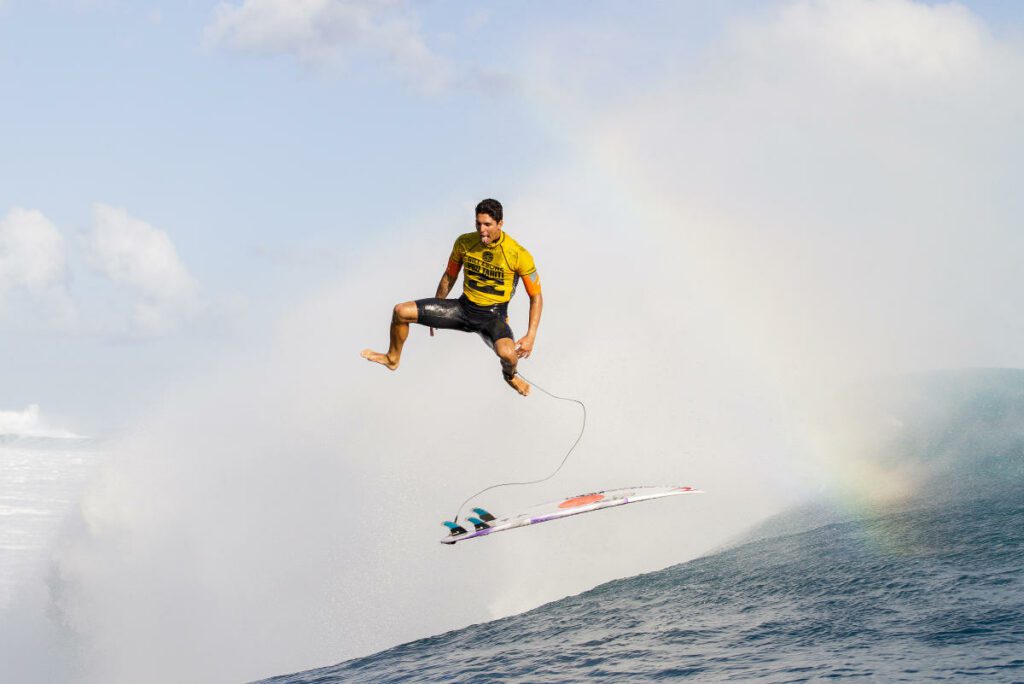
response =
{"points": [[929, 592], [930, 588]]}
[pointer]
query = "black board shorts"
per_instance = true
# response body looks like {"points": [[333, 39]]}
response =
{"points": [[491, 322]]}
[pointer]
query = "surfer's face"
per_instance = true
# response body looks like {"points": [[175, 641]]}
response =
{"points": [[487, 228]]}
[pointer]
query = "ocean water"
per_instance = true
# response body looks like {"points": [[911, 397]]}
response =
{"points": [[41, 480], [931, 589]]}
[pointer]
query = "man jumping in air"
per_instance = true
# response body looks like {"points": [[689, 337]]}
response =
{"points": [[494, 265]]}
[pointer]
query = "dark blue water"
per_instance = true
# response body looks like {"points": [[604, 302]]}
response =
{"points": [[931, 590]]}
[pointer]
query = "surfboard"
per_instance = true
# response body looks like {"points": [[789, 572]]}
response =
{"points": [[485, 524]]}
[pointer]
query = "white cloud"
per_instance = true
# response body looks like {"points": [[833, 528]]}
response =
{"points": [[133, 253], [889, 42], [332, 33], [31, 250], [27, 423], [33, 261]]}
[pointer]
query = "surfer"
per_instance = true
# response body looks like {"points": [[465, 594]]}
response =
{"points": [[494, 264]]}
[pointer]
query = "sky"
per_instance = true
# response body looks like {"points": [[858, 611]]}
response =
{"points": [[175, 177], [208, 209]]}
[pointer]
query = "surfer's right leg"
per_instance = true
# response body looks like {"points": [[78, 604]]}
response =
{"points": [[434, 312], [403, 314]]}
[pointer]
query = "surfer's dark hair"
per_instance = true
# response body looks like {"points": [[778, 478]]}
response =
{"points": [[492, 208]]}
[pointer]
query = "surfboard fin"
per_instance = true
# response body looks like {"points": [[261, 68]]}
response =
{"points": [[478, 523], [454, 530], [484, 515]]}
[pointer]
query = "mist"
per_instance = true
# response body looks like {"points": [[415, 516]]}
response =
{"points": [[822, 195]]}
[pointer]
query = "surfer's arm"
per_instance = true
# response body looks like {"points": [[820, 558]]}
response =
{"points": [[531, 281], [451, 274], [448, 279], [525, 344]]}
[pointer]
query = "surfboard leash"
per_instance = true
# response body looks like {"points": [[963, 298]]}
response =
{"points": [[583, 428]]}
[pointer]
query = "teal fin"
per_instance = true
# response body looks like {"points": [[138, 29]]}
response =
{"points": [[478, 523], [454, 530], [484, 515]]}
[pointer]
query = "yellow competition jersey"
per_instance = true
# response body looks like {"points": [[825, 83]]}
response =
{"points": [[492, 271]]}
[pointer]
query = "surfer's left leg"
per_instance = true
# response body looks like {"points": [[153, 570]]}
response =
{"points": [[505, 348], [404, 314]]}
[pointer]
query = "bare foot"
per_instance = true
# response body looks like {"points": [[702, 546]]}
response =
{"points": [[377, 357], [519, 385]]}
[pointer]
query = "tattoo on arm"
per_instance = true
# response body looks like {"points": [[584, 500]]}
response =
{"points": [[444, 286]]}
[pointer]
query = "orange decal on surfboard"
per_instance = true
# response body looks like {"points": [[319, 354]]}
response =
{"points": [[581, 500]]}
